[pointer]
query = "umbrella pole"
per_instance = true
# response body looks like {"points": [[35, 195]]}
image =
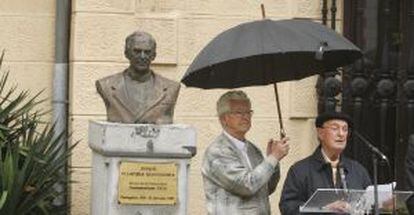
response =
{"points": [[279, 113]]}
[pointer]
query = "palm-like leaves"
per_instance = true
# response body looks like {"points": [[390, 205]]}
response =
{"points": [[31, 161]]}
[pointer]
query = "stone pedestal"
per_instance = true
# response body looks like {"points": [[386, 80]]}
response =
{"points": [[140, 169]]}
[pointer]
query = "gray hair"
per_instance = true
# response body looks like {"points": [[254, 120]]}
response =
{"points": [[138, 34], [223, 104]]}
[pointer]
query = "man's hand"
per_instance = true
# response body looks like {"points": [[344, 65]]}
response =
{"points": [[388, 204], [278, 149], [339, 207]]}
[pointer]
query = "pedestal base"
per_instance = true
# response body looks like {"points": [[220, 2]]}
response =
{"points": [[140, 169]]}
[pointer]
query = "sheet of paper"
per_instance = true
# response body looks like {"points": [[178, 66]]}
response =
{"points": [[384, 193]]}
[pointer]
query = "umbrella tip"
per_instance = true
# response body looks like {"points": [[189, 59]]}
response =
{"points": [[263, 11]]}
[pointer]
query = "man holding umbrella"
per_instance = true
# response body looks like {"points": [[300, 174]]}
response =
{"points": [[237, 179], [325, 168]]}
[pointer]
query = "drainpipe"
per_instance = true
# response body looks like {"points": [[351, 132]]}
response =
{"points": [[60, 80]]}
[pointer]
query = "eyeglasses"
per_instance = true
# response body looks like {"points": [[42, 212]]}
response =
{"points": [[336, 129], [242, 113]]}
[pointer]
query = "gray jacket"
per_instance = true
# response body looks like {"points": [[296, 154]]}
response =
{"points": [[231, 186]]}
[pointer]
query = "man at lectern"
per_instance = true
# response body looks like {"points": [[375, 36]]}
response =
{"points": [[327, 167]]}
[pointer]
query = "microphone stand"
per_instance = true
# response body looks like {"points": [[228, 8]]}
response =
{"points": [[376, 202], [376, 152], [375, 166]]}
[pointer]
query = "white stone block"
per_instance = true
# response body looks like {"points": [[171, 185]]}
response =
{"points": [[142, 140], [114, 144]]}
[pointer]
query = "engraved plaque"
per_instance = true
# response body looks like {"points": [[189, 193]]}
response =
{"points": [[147, 183]]}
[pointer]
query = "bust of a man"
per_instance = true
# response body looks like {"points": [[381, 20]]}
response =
{"points": [[138, 95]]}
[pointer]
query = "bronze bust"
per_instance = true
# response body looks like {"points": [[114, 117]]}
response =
{"points": [[138, 95]]}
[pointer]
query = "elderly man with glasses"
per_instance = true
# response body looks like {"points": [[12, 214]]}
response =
{"points": [[327, 167], [237, 178]]}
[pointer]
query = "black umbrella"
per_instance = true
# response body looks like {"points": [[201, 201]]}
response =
{"points": [[266, 51]]}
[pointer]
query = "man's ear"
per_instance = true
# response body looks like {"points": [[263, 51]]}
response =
{"points": [[349, 133], [222, 120], [319, 132]]}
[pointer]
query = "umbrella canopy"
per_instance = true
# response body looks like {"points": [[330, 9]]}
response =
{"points": [[267, 51]]}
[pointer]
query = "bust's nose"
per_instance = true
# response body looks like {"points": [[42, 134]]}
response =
{"points": [[140, 54]]}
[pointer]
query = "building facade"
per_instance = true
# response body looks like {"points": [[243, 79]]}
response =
{"points": [[181, 28]]}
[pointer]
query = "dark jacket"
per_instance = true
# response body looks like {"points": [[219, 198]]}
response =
{"points": [[313, 172]]}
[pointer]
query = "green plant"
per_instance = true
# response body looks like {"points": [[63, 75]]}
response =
{"points": [[31, 159]]}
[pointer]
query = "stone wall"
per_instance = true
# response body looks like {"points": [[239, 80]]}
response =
{"points": [[27, 38], [182, 28]]}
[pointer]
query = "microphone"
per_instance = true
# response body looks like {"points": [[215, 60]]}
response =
{"points": [[346, 195], [371, 147], [343, 179]]}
